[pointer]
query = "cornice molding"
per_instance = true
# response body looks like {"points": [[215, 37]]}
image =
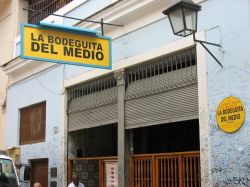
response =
{"points": [[19, 69], [13, 65], [114, 12], [127, 13]]}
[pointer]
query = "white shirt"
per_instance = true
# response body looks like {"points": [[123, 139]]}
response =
{"points": [[79, 185]]}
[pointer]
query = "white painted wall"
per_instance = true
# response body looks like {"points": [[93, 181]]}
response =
{"points": [[10, 14], [5, 52], [229, 153], [45, 86]]}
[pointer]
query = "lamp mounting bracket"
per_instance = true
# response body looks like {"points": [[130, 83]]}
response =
{"points": [[209, 43]]}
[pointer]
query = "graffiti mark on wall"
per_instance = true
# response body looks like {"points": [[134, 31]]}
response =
{"points": [[218, 170], [247, 165], [244, 181]]}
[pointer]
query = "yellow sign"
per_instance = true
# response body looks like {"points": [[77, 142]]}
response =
{"points": [[230, 114], [65, 46]]}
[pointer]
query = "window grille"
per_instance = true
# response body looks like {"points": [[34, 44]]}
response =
{"points": [[49, 6], [92, 103], [162, 65], [161, 74], [92, 87]]}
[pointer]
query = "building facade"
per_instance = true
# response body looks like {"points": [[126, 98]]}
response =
{"points": [[151, 120], [10, 17]]}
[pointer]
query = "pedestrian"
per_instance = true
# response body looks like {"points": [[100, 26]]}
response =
{"points": [[37, 184], [75, 182]]}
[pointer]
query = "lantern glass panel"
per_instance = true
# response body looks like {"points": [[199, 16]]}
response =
{"points": [[185, 33], [176, 19], [190, 18]]}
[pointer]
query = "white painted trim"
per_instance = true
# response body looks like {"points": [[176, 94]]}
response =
{"points": [[64, 137], [20, 69], [135, 25], [14, 65], [142, 57], [119, 10], [128, 7], [64, 10], [198, 1], [16, 41], [203, 113], [114, 1]]}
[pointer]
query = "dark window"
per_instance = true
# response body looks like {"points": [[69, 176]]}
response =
{"points": [[94, 142], [33, 123], [173, 137]]}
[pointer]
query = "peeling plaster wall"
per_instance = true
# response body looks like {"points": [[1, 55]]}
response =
{"points": [[229, 152], [44, 86]]}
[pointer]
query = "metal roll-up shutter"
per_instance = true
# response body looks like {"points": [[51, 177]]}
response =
{"points": [[174, 105], [102, 115], [162, 90], [92, 104]]}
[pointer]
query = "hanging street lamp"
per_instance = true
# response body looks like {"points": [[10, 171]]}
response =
{"points": [[183, 16]]}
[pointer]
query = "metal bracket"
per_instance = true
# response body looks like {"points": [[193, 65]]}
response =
{"points": [[78, 19], [209, 43]]}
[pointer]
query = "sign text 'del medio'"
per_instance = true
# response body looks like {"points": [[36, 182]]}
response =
{"points": [[230, 114], [40, 43]]}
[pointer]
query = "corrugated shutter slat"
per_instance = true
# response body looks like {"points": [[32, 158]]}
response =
{"points": [[93, 117], [170, 106]]}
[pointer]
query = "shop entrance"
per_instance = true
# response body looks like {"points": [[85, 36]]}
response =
{"points": [[90, 152], [166, 155]]}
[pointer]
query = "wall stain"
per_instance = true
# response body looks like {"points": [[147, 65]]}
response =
{"points": [[244, 181], [218, 170], [247, 164]]}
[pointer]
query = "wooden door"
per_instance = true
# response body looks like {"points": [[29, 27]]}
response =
{"points": [[180, 169], [39, 172]]}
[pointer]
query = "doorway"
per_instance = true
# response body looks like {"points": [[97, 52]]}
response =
{"points": [[39, 172], [166, 155]]}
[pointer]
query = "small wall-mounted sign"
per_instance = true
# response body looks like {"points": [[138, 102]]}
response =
{"points": [[111, 173], [67, 45], [230, 114], [53, 172]]}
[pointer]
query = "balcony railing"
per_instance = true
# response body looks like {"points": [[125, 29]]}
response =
{"points": [[49, 6]]}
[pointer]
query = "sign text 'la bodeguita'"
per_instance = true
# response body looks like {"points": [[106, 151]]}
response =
{"points": [[71, 47], [230, 114], [65, 45]]}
